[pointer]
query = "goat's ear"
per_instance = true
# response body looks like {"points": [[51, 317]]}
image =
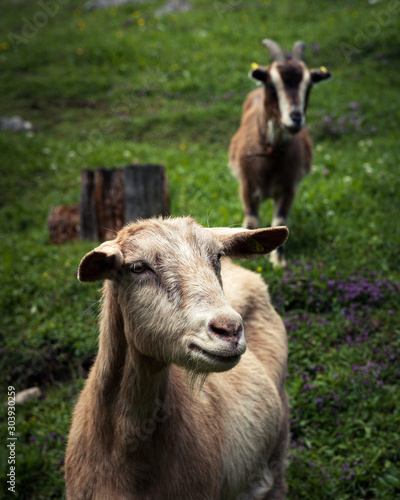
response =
{"points": [[260, 74], [319, 75], [104, 262], [247, 243]]}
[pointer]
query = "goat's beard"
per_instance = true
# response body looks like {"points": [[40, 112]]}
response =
{"points": [[195, 381]]}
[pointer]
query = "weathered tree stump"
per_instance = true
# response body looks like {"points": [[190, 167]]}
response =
{"points": [[111, 198], [63, 223]]}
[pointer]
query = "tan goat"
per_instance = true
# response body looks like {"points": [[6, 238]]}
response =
{"points": [[142, 428], [271, 152]]}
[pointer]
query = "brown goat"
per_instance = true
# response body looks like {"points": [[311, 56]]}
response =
{"points": [[175, 407], [271, 152]]}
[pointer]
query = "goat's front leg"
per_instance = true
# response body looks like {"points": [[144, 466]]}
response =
{"points": [[282, 205], [251, 202]]}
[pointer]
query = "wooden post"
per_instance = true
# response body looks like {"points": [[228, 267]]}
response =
{"points": [[109, 202], [89, 229], [145, 191]]}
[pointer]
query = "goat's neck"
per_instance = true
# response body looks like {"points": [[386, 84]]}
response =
{"points": [[127, 380], [144, 385]]}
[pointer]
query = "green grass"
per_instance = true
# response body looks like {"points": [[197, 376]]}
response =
{"points": [[112, 86]]}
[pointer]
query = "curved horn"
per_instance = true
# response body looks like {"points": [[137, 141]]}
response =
{"points": [[274, 49], [298, 49]]}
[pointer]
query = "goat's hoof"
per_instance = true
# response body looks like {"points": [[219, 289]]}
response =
{"points": [[250, 222]]}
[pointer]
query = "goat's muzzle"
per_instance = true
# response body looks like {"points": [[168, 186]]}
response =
{"points": [[227, 330], [225, 346], [297, 119]]}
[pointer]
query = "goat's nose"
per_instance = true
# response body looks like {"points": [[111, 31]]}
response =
{"points": [[296, 117], [225, 329]]}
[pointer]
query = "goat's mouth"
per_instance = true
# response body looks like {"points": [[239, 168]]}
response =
{"points": [[226, 359]]}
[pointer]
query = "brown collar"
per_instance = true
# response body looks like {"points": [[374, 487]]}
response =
{"points": [[269, 150]]}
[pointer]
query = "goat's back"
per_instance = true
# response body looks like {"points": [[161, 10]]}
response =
{"points": [[246, 138], [264, 329]]}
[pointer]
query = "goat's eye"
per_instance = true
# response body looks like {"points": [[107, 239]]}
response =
{"points": [[219, 255], [138, 267]]}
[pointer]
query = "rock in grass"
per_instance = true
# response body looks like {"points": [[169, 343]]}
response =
{"points": [[102, 4], [15, 124], [172, 7], [27, 395]]}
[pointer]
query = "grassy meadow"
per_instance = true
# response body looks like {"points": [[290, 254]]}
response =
{"points": [[116, 86]]}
